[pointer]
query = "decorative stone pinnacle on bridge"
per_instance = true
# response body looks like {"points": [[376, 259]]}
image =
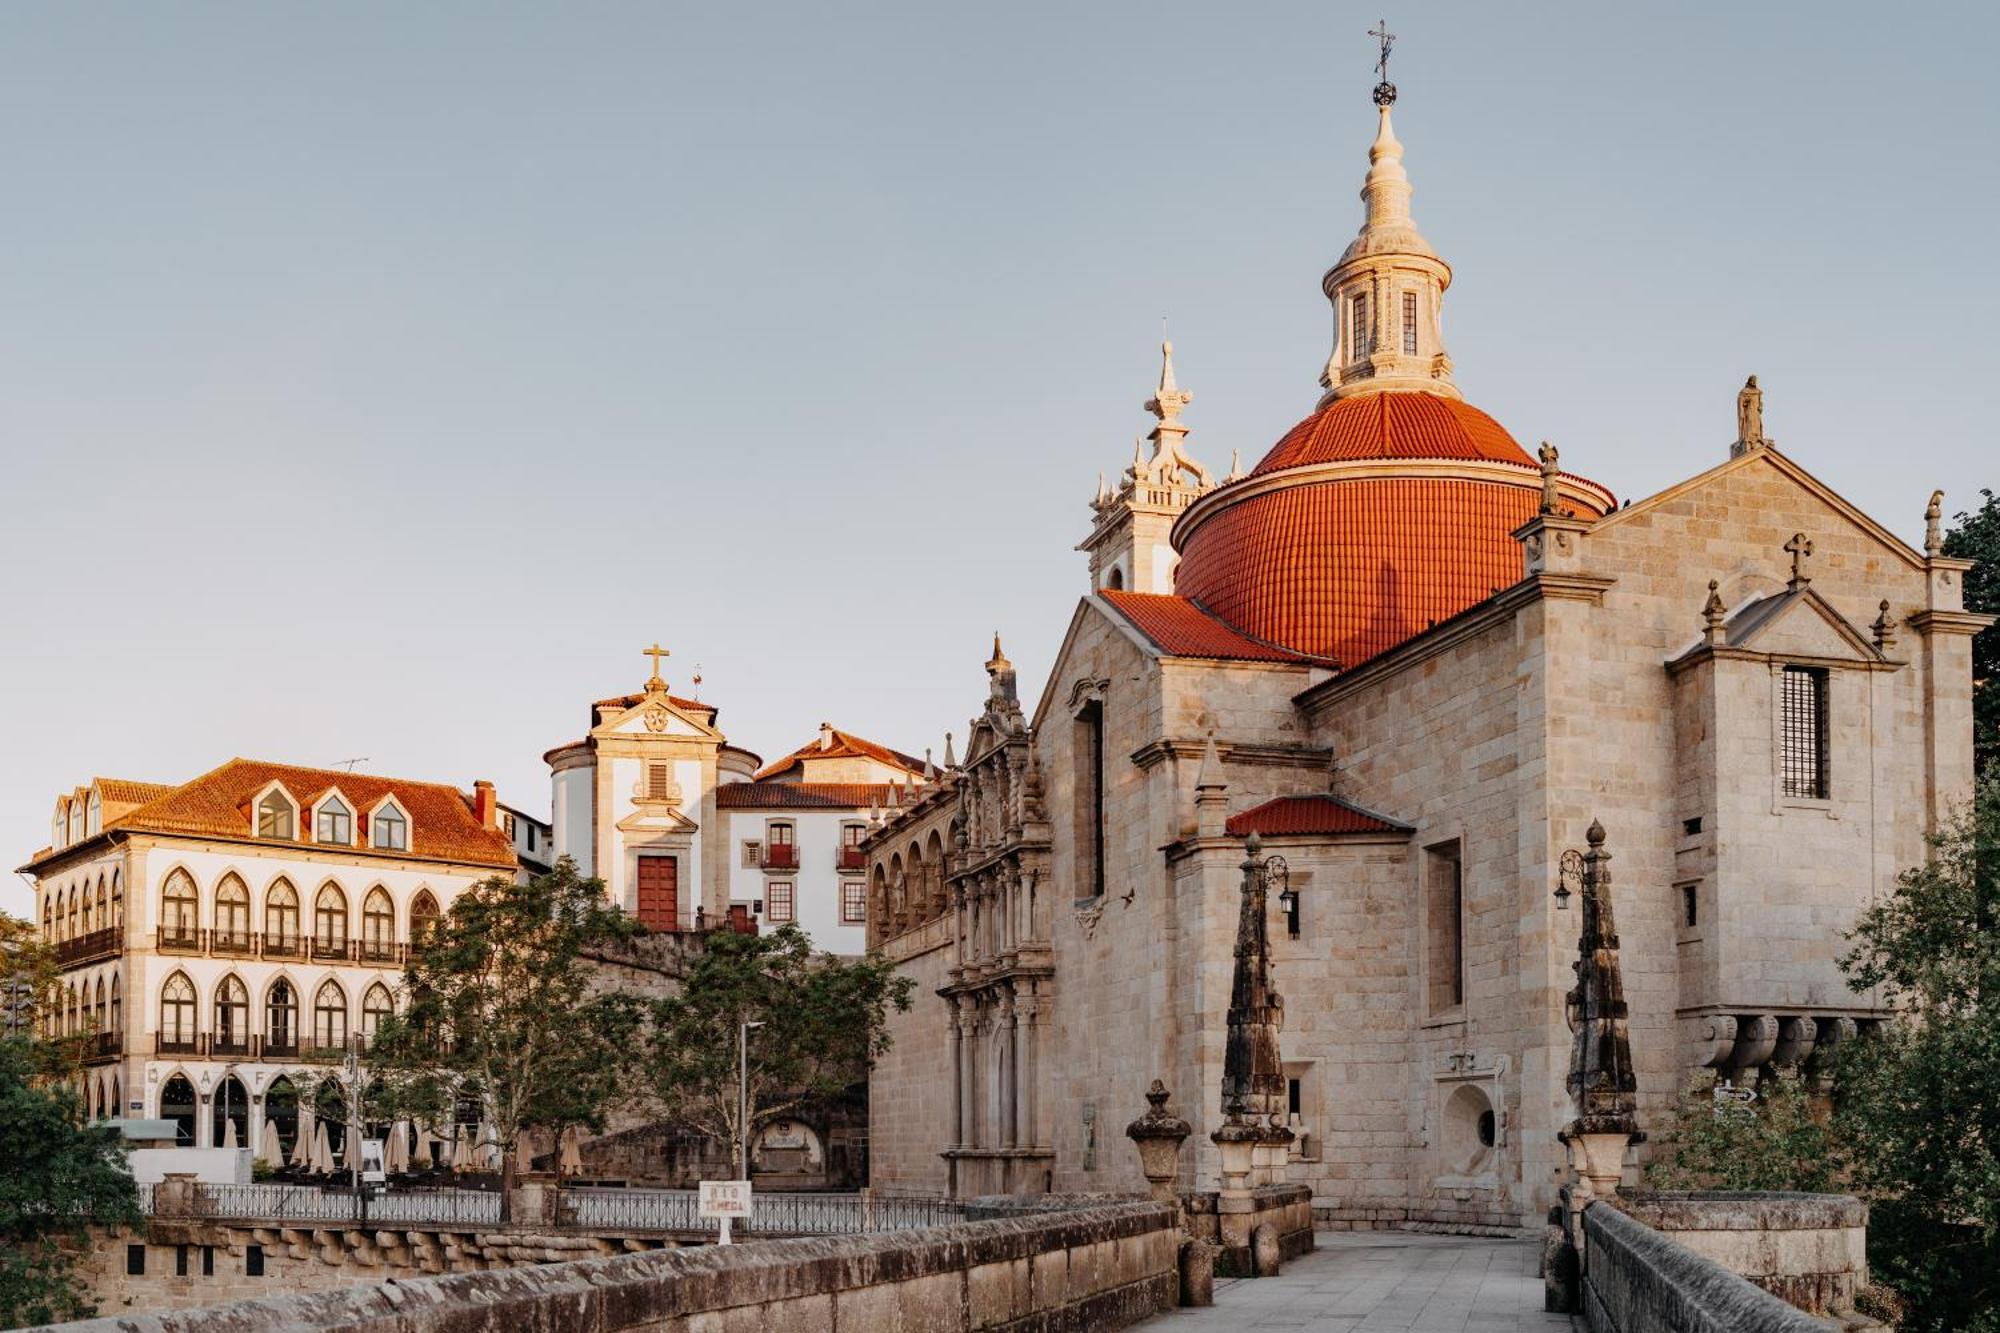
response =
{"points": [[1253, 1073], [1601, 1079], [1159, 1134]]}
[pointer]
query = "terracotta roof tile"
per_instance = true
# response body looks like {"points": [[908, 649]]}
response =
{"points": [[124, 791], [801, 795], [1394, 425], [1308, 815], [1180, 628], [1346, 570], [443, 825], [846, 745]]}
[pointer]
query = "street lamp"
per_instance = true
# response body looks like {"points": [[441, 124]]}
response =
{"points": [[743, 1095], [1569, 870]]}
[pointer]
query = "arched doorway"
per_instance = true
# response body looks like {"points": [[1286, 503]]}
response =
{"points": [[281, 1110], [231, 1110], [178, 1105]]}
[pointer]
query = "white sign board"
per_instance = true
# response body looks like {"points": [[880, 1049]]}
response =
{"points": [[725, 1198], [372, 1161]]}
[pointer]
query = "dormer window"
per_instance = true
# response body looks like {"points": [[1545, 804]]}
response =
{"points": [[93, 820], [335, 822], [275, 818], [391, 831]]}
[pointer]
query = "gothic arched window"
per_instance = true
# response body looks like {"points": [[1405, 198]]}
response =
{"points": [[423, 916], [180, 906], [232, 1014], [232, 913], [330, 918], [376, 1006], [378, 924], [330, 1016], [177, 1010], [281, 916], [281, 1016]]}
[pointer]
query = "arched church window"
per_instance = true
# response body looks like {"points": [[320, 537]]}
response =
{"points": [[274, 816], [335, 823]]}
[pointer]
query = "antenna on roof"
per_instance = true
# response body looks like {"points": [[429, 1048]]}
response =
{"points": [[349, 764]]}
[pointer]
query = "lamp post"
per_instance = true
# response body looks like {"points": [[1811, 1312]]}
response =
{"points": [[743, 1096]]}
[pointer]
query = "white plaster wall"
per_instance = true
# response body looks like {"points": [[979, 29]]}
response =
{"points": [[817, 836], [572, 817]]}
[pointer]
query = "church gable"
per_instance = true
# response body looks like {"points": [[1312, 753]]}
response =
{"points": [[657, 714], [1799, 624]]}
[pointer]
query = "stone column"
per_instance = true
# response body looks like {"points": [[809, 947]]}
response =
{"points": [[1027, 1131], [968, 1046], [957, 1072], [1010, 1036]]}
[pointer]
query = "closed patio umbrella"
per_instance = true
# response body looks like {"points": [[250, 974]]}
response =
{"points": [[322, 1150], [424, 1148], [229, 1131], [461, 1151], [270, 1150], [302, 1147], [572, 1155], [396, 1156]]}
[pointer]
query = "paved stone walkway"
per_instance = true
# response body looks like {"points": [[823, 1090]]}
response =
{"points": [[1365, 1281]]}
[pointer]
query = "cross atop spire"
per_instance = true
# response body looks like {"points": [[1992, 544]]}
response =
{"points": [[656, 653], [1385, 91]]}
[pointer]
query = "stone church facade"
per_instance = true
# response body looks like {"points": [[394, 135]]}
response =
{"points": [[1418, 663]]}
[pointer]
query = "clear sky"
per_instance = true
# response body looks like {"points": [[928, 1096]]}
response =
{"points": [[376, 380]]}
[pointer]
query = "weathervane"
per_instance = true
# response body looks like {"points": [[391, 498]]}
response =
{"points": [[1385, 91]]}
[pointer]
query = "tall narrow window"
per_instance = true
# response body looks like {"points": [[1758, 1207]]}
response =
{"points": [[232, 914], [376, 1008], [778, 902], [274, 816], [232, 1016], [1089, 819], [659, 782], [178, 909], [423, 916], [336, 822], [1804, 758], [1358, 313], [1444, 911], [281, 916], [177, 1016], [330, 1017], [330, 917], [392, 831], [378, 926], [1409, 323], [281, 1016]]}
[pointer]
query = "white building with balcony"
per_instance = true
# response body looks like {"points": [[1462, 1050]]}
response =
{"points": [[224, 940]]}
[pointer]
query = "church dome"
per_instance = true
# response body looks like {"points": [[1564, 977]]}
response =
{"points": [[1373, 519], [1393, 425]]}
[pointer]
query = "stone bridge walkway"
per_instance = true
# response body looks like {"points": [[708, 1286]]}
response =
{"points": [[1362, 1282]]}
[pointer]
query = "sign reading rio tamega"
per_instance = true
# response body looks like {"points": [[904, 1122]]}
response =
{"points": [[725, 1199]]}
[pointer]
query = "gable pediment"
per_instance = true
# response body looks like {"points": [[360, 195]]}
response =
{"points": [[1795, 624], [657, 715], [656, 820]]}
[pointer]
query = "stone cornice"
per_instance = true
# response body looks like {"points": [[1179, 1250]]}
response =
{"points": [[1950, 622], [1705, 652], [1155, 752]]}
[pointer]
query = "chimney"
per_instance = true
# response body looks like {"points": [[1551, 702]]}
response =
{"points": [[826, 735], [485, 804]]}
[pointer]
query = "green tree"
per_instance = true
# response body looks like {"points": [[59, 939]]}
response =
{"points": [[503, 1005], [1731, 1142], [825, 1019], [29, 994], [1976, 536], [1919, 1103], [57, 1179]]}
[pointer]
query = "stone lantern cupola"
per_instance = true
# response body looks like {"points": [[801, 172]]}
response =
{"points": [[1387, 288], [1129, 544]]}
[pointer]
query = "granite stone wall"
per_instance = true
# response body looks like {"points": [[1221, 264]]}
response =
{"points": [[1638, 1280], [1101, 1267]]}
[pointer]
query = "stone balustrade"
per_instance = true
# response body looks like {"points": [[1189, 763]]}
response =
{"points": [[1637, 1279]]}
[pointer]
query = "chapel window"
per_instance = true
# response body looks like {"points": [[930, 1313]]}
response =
{"points": [[1804, 758], [1444, 911], [1409, 323], [1358, 313], [1089, 810], [274, 816], [335, 823], [392, 831]]}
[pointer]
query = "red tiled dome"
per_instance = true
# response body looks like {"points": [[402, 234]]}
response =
{"points": [[1393, 425], [1368, 546]]}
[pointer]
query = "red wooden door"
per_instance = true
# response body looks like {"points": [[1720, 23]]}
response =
{"points": [[659, 892]]}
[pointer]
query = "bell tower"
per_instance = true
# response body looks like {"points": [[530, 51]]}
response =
{"points": [[1387, 287], [1128, 544]]}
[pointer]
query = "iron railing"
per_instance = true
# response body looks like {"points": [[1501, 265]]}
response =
{"points": [[91, 947], [310, 1203]]}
